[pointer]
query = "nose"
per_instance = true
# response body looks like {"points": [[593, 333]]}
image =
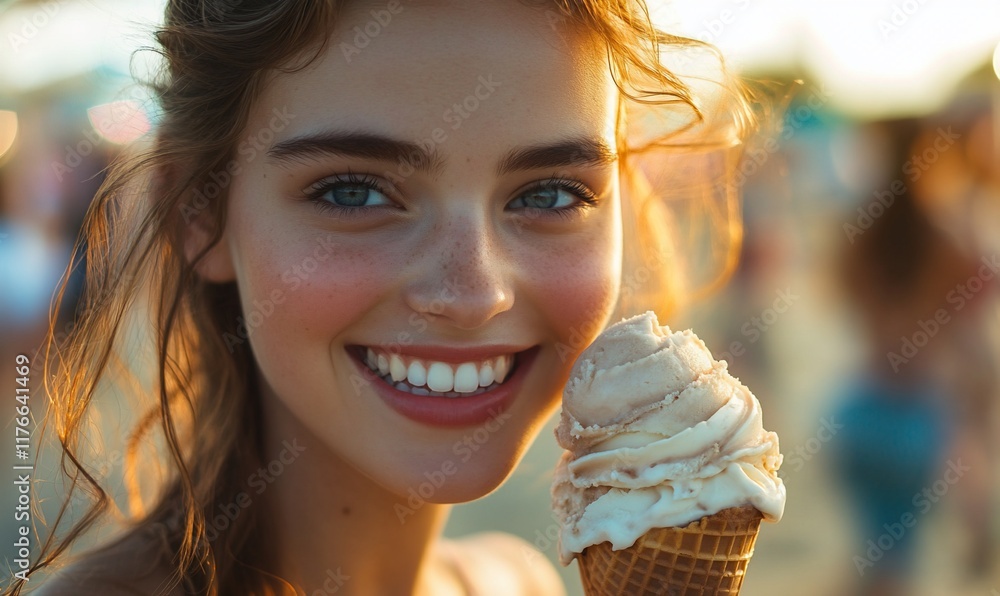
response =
{"points": [[463, 277]]}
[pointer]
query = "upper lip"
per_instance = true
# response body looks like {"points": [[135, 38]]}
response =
{"points": [[450, 354]]}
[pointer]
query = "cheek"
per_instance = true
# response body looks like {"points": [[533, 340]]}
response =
{"points": [[577, 288], [580, 300], [304, 293]]}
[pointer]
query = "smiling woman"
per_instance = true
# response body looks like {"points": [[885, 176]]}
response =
{"points": [[387, 259]]}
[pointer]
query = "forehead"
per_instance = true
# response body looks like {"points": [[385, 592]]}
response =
{"points": [[477, 77]]}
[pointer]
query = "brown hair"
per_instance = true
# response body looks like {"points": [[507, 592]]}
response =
{"points": [[218, 57]]}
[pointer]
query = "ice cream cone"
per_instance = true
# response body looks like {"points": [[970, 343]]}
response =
{"points": [[709, 556]]}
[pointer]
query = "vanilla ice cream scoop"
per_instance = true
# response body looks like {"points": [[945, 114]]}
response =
{"points": [[658, 434]]}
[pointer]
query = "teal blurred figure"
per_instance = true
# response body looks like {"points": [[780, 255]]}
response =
{"points": [[901, 414]]}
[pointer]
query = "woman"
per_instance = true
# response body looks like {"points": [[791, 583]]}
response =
{"points": [[377, 236]]}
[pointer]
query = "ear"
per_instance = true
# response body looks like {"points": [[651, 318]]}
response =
{"points": [[197, 226], [216, 265]]}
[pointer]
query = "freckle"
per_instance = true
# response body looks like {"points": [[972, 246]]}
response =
{"points": [[346, 510]]}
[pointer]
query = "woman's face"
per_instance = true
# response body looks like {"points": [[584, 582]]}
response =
{"points": [[437, 194]]}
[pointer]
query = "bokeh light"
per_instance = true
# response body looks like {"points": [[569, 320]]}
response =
{"points": [[996, 61], [8, 131], [880, 58], [120, 122]]}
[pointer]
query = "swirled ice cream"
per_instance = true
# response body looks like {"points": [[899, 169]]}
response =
{"points": [[658, 434]]}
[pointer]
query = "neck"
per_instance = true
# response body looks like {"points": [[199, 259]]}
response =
{"points": [[335, 529]]}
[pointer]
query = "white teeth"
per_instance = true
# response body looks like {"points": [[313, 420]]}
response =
{"points": [[503, 365], [396, 368], [466, 378], [486, 375], [440, 377], [416, 375]]}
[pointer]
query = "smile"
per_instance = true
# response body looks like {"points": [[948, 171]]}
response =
{"points": [[421, 376], [446, 386]]}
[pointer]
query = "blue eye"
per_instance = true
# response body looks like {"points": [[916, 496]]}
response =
{"points": [[355, 195], [557, 196], [348, 193]]}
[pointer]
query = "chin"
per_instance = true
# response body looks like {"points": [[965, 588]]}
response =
{"points": [[436, 488], [461, 475]]}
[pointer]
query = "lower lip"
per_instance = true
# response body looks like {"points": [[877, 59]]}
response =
{"points": [[453, 411]]}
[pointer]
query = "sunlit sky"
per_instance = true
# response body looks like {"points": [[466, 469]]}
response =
{"points": [[878, 57]]}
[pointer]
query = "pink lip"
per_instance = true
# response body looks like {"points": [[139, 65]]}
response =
{"points": [[448, 411]]}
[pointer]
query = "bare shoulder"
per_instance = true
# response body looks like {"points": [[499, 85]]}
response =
{"points": [[132, 565], [496, 555]]}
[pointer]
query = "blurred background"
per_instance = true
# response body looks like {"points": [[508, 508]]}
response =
{"points": [[863, 312]]}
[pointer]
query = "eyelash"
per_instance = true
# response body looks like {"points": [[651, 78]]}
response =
{"points": [[315, 194], [579, 189]]}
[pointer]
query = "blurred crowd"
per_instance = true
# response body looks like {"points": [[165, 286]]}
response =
{"points": [[864, 315]]}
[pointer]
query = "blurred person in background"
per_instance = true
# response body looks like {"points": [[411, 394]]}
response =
{"points": [[910, 418], [960, 192], [42, 205], [45, 189]]}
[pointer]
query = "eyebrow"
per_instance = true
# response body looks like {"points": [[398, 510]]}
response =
{"points": [[355, 144], [574, 151], [580, 151]]}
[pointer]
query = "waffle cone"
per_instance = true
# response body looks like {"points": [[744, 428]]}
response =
{"points": [[708, 556]]}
